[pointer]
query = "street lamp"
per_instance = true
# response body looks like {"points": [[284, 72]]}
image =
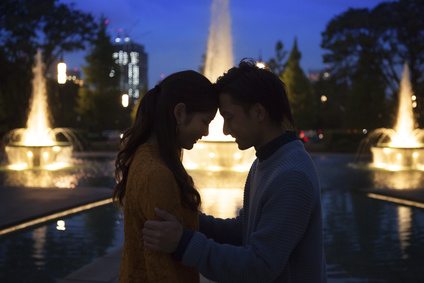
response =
{"points": [[61, 72]]}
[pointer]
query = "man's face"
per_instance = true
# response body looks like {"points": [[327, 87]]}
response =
{"points": [[237, 122]]}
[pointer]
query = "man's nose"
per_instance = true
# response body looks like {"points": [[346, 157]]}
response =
{"points": [[206, 131]]}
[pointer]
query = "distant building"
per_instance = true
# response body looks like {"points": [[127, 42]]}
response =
{"points": [[132, 60]]}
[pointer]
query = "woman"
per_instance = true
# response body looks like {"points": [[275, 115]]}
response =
{"points": [[171, 117]]}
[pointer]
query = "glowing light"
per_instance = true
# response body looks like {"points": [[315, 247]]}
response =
{"points": [[18, 167], [61, 225], [61, 73], [323, 98], [211, 155], [125, 100], [261, 65]]}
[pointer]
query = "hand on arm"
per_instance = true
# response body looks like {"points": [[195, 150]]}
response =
{"points": [[162, 236]]}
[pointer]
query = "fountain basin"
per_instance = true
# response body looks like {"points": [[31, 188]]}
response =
{"points": [[218, 156], [54, 156], [398, 158]]}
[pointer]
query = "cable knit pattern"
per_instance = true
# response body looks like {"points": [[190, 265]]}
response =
{"points": [[151, 184], [281, 226]]}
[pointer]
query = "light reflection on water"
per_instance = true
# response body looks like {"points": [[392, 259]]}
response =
{"points": [[83, 171], [46, 253], [366, 240]]}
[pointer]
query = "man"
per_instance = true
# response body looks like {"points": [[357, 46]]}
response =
{"points": [[277, 236]]}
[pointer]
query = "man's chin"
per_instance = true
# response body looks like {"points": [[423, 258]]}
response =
{"points": [[243, 147]]}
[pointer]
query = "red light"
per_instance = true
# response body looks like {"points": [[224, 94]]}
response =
{"points": [[305, 139], [106, 22]]}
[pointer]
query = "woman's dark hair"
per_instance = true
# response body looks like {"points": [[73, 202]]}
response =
{"points": [[248, 84], [155, 114]]}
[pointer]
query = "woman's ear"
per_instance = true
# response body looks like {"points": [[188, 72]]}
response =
{"points": [[179, 112]]}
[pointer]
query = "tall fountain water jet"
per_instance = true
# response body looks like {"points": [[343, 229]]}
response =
{"points": [[218, 152], [400, 148], [35, 146]]}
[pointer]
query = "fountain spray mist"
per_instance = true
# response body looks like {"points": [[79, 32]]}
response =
{"points": [[38, 126], [219, 58], [405, 124], [219, 54], [218, 152]]}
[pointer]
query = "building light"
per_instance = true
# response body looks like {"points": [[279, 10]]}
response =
{"points": [[61, 73], [125, 100]]}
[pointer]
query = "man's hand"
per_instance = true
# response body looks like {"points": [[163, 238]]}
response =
{"points": [[162, 236]]}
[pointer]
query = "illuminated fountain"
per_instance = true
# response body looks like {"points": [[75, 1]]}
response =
{"points": [[400, 148], [36, 146], [217, 152]]}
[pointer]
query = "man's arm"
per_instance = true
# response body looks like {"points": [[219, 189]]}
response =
{"points": [[168, 235], [284, 218], [223, 231]]}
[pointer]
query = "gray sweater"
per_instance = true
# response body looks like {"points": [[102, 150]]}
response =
{"points": [[277, 237]]}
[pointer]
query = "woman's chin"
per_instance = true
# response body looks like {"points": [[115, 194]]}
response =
{"points": [[188, 147]]}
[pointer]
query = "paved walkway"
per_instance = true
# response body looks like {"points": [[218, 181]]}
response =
{"points": [[20, 206]]}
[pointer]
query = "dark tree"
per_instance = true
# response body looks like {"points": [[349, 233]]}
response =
{"points": [[299, 91], [277, 64], [367, 49], [99, 104]]}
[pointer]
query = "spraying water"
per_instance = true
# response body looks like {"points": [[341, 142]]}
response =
{"points": [[38, 125]]}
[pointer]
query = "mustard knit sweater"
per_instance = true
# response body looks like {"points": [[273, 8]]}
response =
{"points": [[151, 184]]}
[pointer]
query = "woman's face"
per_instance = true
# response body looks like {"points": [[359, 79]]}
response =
{"points": [[192, 127]]}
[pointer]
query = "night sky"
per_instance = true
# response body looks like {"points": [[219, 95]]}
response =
{"points": [[174, 33]]}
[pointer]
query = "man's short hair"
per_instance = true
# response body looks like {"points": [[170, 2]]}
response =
{"points": [[248, 84]]}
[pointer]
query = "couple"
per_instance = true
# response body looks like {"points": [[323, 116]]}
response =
{"points": [[277, 236]]}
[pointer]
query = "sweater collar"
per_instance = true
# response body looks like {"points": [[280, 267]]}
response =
{"points": [[271, 147]]}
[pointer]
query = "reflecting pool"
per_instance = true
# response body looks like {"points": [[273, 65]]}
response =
{"points": [[366, 240], [51, 251]]}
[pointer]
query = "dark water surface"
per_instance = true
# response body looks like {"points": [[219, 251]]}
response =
{"points": [[366, 240]]}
